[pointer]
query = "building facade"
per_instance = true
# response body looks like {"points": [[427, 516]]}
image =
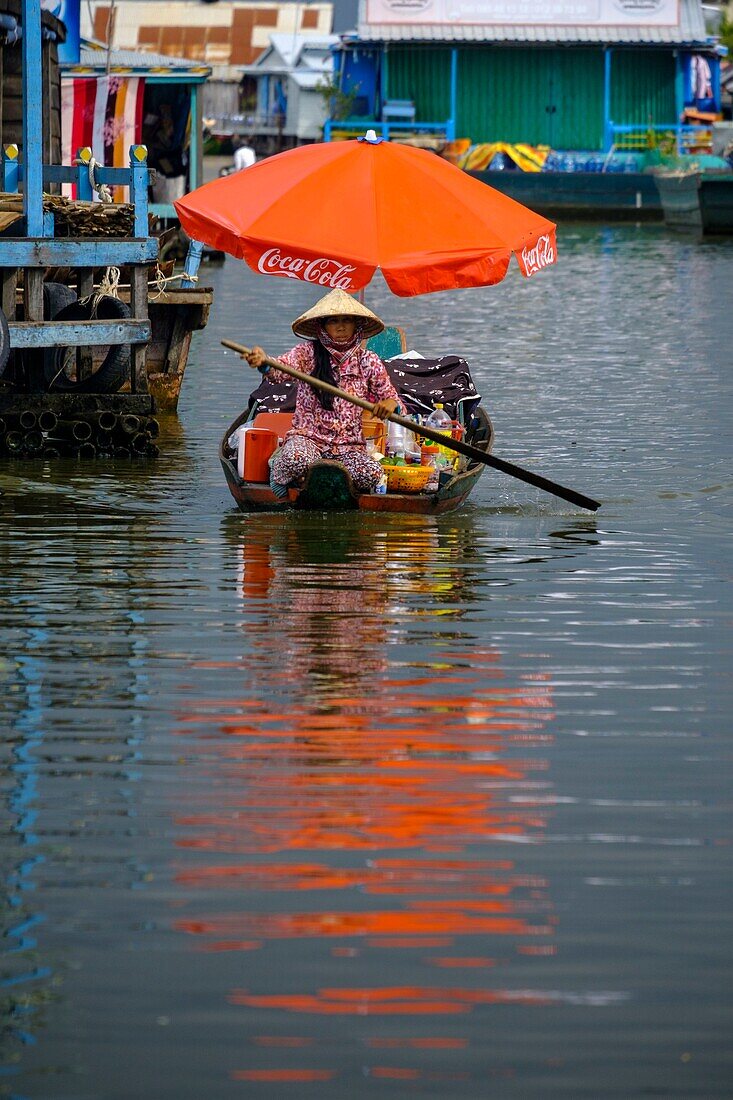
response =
{"points": [[578, 75]]}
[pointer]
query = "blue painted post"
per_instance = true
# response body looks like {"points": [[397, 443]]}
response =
{"points": [[191, 266], [607, 123], [84, 190], [32, 119], [139, 188], [194, 154], [679, 96], [10, 168], [451, 126], [383, 81]]}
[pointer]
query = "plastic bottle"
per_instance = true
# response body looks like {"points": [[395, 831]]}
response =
{"points": [[439, 420], [395, 439]]}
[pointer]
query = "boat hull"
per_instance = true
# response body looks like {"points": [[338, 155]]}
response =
{"points": [[698, 201], [316, 496], [619, 195]]}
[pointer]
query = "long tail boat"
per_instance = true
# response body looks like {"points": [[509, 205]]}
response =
{"points": [[328, 486]]}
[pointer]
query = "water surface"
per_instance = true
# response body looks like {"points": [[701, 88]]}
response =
{"points": [[388, 806]]}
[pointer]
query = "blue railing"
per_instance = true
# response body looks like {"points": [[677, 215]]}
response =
{"points": [[358, 126]]}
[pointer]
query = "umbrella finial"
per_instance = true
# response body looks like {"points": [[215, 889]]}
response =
{"points": [[371, 138]]}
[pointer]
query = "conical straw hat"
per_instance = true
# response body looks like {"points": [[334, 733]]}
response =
{"points": [[337, 304]]}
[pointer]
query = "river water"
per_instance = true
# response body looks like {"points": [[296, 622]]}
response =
{"points": [[328, 806]]}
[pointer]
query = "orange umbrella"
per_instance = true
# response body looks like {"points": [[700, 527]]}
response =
{"points": [[331, 214]]}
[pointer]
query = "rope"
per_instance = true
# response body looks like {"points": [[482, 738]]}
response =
{"points": [[108, 286], [110, 282], [160, 280], [102, 189]]}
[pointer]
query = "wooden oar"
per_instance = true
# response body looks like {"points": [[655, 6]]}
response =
{"points": [[437, 437]]}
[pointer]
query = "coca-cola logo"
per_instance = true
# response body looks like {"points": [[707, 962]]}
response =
{"points": [[541, 255], [322, 271]]}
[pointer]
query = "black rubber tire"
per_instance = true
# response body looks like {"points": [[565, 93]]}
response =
{"points": [[56, 296], [115, 369], [4, 342]]}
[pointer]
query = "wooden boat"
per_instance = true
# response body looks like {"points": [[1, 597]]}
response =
{"points": [[328, 486], [174, 316], [700, 201]]}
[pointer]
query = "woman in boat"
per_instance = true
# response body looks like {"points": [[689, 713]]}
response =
{"points": [[325, 426]]}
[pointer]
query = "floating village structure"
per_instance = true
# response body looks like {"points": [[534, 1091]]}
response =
{"points": [[586, 76], [289, 76], [229, 37], [73, 372], [586, 94], [120, 98]]}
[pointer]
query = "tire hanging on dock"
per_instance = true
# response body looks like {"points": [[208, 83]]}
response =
{"points": [[56, 296], [115, 368]]}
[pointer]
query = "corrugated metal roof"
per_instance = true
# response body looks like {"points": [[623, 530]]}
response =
{"points": [[94, 57], [690, 30]]}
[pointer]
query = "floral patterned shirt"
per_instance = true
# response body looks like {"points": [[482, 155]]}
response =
{"points": [[363, 374]]}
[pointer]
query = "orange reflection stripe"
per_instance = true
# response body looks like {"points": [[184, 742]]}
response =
{"points": [[304, 1003], [287, 926], [282, 1075], [393, 1073]]}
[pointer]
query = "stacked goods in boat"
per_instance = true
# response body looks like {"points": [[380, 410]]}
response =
{"points": [[418, 477]]}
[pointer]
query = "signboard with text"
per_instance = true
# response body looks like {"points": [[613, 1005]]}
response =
{"points": [[543, 13]]}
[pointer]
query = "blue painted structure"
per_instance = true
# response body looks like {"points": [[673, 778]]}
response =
{"points": [[155, 70], [366, 72], [38, 249]]}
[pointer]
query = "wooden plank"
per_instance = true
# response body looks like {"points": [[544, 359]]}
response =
{"points": [[84, 287], [67, 334], [32, 295], [64, 404], [8, 284], [175, 344], [139, 309], [58, 173], [77, 252]]}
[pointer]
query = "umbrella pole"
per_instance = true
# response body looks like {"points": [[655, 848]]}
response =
{"points": [[437, 437]]}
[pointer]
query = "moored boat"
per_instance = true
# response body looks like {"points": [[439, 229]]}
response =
{"points": [[328, 486], [698, 200]]}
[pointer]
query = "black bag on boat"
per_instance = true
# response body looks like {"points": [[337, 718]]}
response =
{"points": [[421, 384], [273, 397]]}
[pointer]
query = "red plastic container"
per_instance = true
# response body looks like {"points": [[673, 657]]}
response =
{"points": [[259, 445]]}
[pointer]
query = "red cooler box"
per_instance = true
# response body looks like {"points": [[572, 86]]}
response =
{"points": [[256, 446]]}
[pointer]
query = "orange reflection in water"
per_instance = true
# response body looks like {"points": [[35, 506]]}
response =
{"points": [[379, 805]]}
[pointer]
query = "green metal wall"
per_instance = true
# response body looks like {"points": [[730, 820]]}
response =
{"points": [[422, 75], [507, 94], [543, 96], [540, 96], [643, 87]]}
